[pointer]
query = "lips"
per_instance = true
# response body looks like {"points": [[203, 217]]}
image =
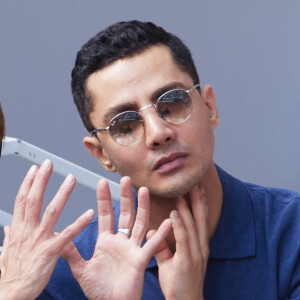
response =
{"points": [[170, 162]]}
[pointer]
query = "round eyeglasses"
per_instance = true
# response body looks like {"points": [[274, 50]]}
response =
{"points": [[127, 128]]}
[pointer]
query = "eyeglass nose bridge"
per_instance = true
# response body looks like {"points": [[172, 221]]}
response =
{"points": [[146, 107]]}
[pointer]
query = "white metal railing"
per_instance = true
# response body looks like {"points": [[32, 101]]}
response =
{"points": [[22, 149]]}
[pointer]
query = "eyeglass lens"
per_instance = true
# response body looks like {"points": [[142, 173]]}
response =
{"points": [[174, 106], [127, 128]]}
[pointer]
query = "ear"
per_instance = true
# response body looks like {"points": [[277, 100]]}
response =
{"points": [[209, 99], [94, 147]]}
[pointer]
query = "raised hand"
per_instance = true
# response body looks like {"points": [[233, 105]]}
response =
{"points": [[31, 248], [116, 270], [181, 275]]}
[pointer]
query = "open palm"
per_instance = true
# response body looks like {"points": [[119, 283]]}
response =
{"points": [[116, 270]]}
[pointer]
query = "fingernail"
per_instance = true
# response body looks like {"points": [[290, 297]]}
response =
{"points": [[46, 164], [89, 213], [69, 179], [33, 169], [203, 191], [174, 214], [125, 178]]}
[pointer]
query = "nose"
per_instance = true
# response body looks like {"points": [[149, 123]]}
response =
{"points": [[158, 132]]}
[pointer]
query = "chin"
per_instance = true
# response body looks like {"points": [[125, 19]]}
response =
{"points": [[178, 186]]}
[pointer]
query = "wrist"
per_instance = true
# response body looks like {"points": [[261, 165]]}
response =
{"points": [[9, 291]]}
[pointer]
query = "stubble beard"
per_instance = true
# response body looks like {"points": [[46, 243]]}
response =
{"points": [[175, 187], [179, 187]]}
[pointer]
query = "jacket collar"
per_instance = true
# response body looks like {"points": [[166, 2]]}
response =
{"points": [[235, 235]]}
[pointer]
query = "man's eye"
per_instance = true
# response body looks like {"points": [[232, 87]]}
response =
{"points": [[125, 130], [164, 112]]}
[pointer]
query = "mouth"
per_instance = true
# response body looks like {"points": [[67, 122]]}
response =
{"points": [[170, 162]]}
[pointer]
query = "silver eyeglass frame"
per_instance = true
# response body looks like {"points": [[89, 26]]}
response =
{"points": [[95, 131]]}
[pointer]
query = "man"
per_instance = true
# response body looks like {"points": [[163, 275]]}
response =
{"points": [[136, 89], [138, 94]]}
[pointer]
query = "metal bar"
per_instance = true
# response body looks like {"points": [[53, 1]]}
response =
{"points": [[22, 149]]}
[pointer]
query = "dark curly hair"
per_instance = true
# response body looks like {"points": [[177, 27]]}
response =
{"points": [[123, 39]]}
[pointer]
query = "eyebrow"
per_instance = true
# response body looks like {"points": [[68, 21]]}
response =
{"points": [[117, 110], [133, 107], [167, 88]]}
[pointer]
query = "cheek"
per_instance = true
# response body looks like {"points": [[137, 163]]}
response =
{"points": [[200, 137], [126, 161]]}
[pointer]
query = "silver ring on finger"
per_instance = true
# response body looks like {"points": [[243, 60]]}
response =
{"points": [[125, 230]]}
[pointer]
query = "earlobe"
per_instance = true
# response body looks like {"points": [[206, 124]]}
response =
{"points": [[95, 148], [209, 98]]}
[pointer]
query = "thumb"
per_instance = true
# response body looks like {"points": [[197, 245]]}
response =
{"points": [[74, 259], [150, 234]]}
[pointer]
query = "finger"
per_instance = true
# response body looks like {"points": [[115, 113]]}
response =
{"points": [[56, 206], [142, 217], [189, 227], [74, 259], [127, 212], [35, 196], [105, 210], [19, 209], [156, 243], [200, 213], [180, 234], [69, 233]]}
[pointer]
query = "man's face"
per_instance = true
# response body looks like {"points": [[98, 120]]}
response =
{"points": [[170, 159]]}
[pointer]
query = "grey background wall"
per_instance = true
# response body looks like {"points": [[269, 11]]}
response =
{"points": [[248, 50]]}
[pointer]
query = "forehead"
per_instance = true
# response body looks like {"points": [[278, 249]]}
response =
{"points": [[133, 80]]}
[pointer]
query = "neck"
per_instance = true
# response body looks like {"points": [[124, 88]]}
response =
{"points": [[160, 208]]}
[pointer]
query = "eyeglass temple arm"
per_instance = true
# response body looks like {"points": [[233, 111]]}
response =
{"points": [[99, 130], [194, 87]]}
